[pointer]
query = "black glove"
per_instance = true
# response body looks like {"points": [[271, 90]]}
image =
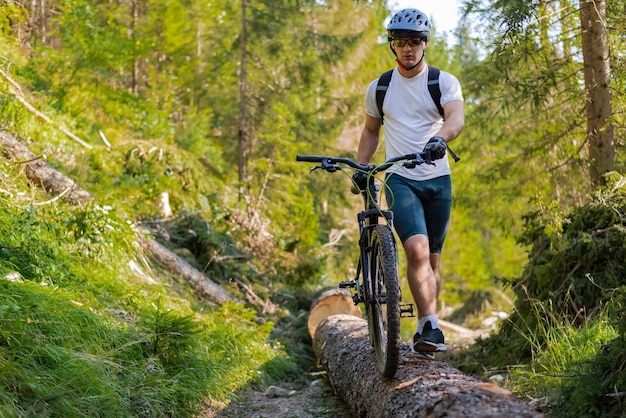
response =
{"points": [[437, 147], [359, 182]]}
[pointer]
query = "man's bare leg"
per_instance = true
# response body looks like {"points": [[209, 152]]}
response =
{"points": [[424, 282]]}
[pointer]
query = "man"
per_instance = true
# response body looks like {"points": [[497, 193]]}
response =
{"points": [[420, 198]]}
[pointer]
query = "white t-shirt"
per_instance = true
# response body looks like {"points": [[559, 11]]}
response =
{"points": [[411, 118]]}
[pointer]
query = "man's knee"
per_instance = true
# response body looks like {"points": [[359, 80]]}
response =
{"points": [[417, 248]]}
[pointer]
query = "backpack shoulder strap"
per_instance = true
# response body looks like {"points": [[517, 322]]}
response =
{"points": [[433, 87], [381, 90]]}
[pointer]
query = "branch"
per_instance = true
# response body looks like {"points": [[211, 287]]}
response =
{"points": [[15, 90], [57, 197]]}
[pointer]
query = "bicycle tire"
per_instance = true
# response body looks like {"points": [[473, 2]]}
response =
{"points": [[384, 300]]}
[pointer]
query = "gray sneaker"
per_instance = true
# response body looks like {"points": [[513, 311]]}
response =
{"points": [[430, 340]]}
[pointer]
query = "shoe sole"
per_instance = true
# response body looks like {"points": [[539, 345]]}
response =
{"points": [[428, 347]]}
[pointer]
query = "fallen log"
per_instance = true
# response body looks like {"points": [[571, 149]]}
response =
{"points": [[41, 173], [202, 285], [333, 301], [422, 387]]}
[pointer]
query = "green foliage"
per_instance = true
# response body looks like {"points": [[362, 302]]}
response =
{"points": [[529, 87], [159, 83], [603, 364], [169, 334], [55, 354], [567, 356], [575, 263], [472, 257], [567, 326], [11, 14]]}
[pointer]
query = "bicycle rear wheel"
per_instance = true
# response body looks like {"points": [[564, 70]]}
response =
{"points": [[384, 300]]}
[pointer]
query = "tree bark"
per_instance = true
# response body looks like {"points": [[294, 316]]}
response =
{"points": [[243, 86], [40, 173], [422, 387], [597, 72], [203, 286]]}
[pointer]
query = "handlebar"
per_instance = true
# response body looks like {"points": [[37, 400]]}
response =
{"points": [[332, 164]]}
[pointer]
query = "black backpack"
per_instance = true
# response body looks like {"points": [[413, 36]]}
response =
{"points": [[433, 88]]}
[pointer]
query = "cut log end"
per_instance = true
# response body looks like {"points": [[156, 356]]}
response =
{"points": [[334, 301]]}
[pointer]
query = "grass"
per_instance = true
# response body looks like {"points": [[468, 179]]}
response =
{"points": [[83, 334], [561, 372]]}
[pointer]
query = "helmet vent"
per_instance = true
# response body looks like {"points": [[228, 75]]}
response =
{"points": [[409, 20]]}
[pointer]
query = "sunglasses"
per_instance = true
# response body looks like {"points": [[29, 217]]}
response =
{"points": [[400, 43]]}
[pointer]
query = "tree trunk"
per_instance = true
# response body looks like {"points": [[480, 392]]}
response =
{"points": [[597, 71], [243, 87], [203, 286], [41, 174], [132, 32], [422, 387]]}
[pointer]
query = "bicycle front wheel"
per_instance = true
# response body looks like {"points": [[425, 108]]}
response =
{"points": [[384, 300]]}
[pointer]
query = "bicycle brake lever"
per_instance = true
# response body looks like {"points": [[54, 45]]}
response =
{"points": [[331, 168], [328, 166]]}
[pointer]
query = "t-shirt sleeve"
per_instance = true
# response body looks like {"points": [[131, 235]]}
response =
{"points": [[450, 88], [370, 100]]}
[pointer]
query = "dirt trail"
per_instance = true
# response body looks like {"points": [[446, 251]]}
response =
{"points": [[315, 401]]}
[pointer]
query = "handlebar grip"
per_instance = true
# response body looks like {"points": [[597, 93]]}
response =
{"points": [[309, 158]]}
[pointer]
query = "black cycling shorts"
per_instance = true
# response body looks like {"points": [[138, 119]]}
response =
{"points": [[420, 207]]}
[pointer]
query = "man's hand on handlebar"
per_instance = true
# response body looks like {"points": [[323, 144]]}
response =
{"points": [[437, 147], [359, 182]]}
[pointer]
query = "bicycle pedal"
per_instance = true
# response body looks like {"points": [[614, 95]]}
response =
{"points": [[350, 283], [406, 311]]}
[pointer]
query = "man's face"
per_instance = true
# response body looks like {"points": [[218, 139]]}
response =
{"points": [[409, 50]]}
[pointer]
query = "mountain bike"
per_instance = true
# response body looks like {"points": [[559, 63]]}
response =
{"points": [[376, 284]]}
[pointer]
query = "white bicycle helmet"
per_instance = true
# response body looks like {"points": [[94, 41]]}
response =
{"points": [[409, 23]]}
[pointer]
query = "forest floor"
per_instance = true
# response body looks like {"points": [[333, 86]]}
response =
{"points": [[317, 400]]}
